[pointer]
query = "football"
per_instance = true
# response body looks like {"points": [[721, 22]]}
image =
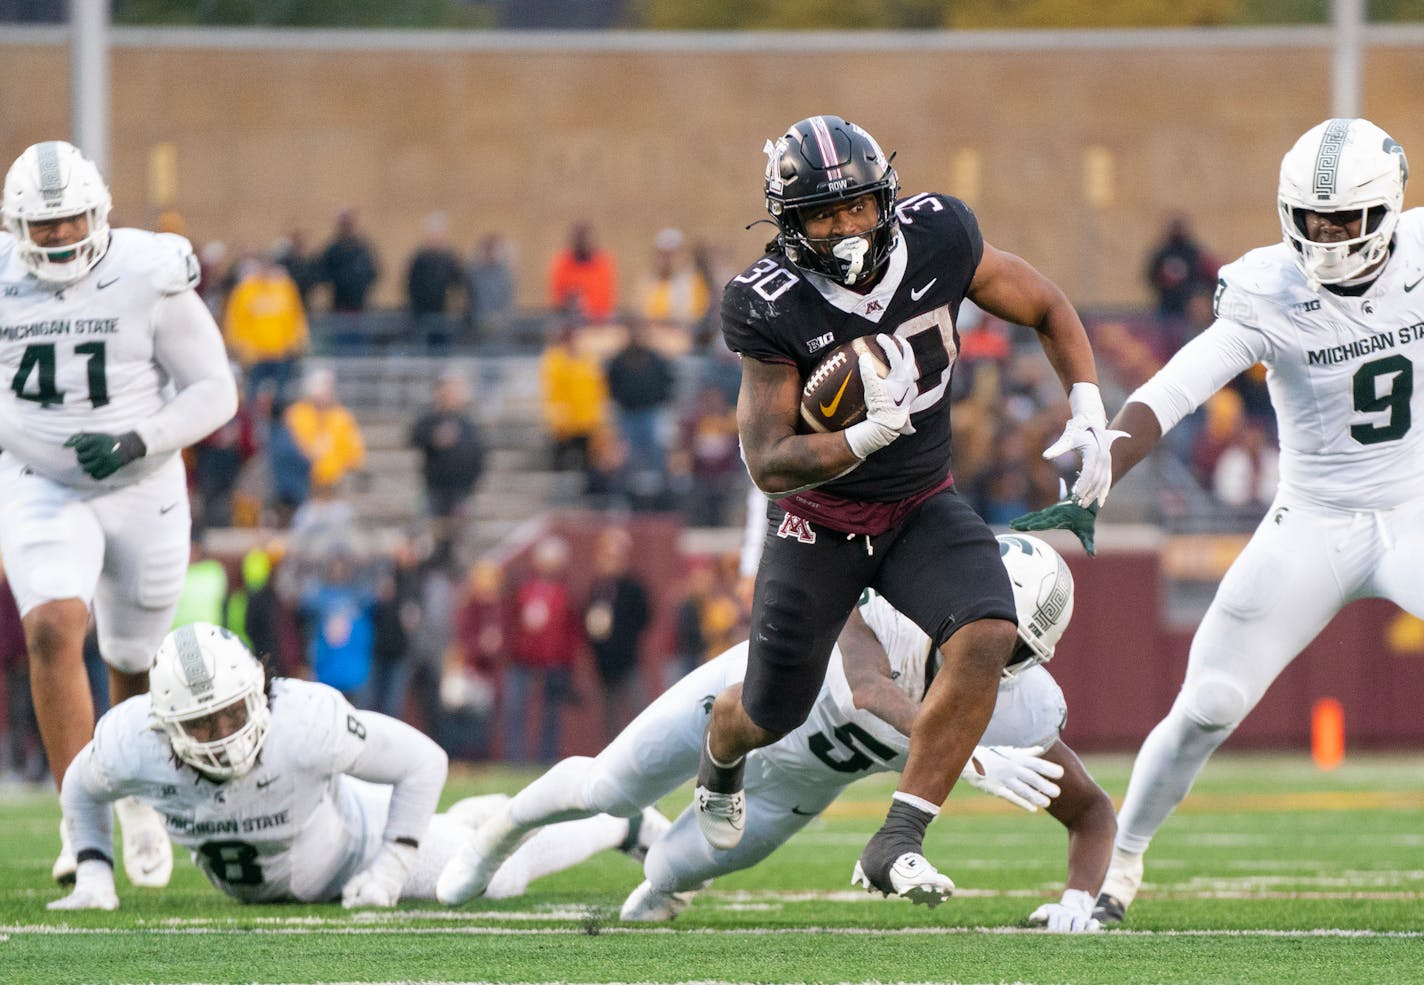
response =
{"points": [[833, 397]]}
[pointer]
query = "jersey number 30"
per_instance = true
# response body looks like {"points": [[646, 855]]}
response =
{"points": [[39, 362]]}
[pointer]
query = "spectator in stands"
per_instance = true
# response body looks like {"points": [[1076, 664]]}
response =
{"points": [[253, 609], [544, 643], [22, 755], [672, 292], [215, 276], [615, 617], [325, 431], [1247, 470], [349, 265], [707, 461], [432, 277], [394, 617], [583, 281], [293, 252], [574, 395], [437, 591], [265, 326], [489, 286], [469, 681], [288, 467], [336, 609], [217, 463], [1179, 266], [642, 383], [452, 449], [714, 270]]}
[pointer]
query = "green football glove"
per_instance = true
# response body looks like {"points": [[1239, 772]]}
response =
{"points": [[101, 455], [1063, 515]]}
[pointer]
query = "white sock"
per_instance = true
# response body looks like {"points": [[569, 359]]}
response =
{"points": [[555, 848], [558, 795], [1164, 771]]}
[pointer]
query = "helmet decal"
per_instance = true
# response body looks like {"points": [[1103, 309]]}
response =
{"points": [[191, 662], [1327, 158], [51, 179]]}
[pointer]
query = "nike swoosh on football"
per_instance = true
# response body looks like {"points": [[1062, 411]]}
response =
{"points": [[829, 409], [1410, 287], [917, 293]]}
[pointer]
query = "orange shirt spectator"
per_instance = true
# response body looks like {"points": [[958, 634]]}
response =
{"points": [[583, 279]]}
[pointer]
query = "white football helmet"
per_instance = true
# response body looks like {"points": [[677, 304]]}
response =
{"points": [[1043, 598], [53, 180], [207, 693], [1342, 165]]}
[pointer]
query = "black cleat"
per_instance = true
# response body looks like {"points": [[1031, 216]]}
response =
{"points": [[1109, 910]]}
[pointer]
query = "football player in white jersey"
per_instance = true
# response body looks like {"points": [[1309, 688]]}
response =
{"points": [[1334, 314], [111, 364], [858, 725], [282, 791]]}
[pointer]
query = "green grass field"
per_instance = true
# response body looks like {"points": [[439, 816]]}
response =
{"points": [[1271, 872]]}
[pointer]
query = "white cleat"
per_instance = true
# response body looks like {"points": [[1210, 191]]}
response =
{"points": [[67, 864], [648, 905], [721, 816], [468, 874], [148, 856], [913, 878]]}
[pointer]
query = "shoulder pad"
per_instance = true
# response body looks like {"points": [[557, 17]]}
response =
{"points": [[1263, 276], [119, 736], [176, 267]]}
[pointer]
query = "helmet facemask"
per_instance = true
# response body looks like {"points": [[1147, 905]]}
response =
{"points": [[824, 160], [1342, 167], [1043, 598], [51, 181], [208, 695]]}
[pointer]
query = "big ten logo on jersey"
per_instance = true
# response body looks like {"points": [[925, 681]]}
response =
{"points": [[768, 278]]}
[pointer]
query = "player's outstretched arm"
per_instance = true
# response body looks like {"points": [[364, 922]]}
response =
{"points": [[1085, 809], [867, 671], [1141, 432]]}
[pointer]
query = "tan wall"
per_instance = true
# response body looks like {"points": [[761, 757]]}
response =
{"points": [[526, 141]]}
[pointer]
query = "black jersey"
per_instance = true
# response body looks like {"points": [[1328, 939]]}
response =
{"points": [[776, 312]]}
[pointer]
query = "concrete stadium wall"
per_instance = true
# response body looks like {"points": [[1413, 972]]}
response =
{"points": [[1072, 146]]}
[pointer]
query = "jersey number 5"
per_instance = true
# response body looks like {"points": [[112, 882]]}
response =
{"points": [[39, 361]]}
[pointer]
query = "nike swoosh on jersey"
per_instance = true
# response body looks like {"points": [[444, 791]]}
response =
{"points": [[797, 810], [918, 292], [829, 409], [105, 283], [1410, 287]]}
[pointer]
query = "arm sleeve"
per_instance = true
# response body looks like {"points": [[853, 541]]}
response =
{"points": [[1200, 368], [188, 345], [411, 763], [85, 798]]}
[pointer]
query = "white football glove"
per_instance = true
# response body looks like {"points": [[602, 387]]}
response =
{"points": [[1016, 774], [380, 883], [93, 889], [1087, 433], [887, 398], [1073, 914]]}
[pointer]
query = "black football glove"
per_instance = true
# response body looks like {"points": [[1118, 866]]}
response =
{"points": [[1063, 515], [101, 455]]}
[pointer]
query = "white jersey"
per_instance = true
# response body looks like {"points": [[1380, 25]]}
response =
{"points": [[1340, 371], [296, 826], [839, 743], [129, 347]]}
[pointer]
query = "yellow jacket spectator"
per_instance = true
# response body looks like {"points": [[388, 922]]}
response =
{"points": [[325, 431], [575, 399], [265, 326]]}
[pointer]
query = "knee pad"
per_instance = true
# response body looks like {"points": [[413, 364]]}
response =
{"points": [[127, 654], [1214, 701]]}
